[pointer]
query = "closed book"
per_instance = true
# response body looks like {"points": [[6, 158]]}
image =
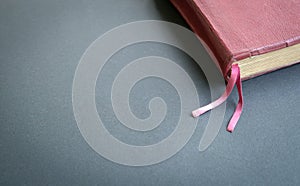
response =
{"points": [[245, 38], [259, 35]]}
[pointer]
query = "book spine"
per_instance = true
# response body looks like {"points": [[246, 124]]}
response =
{"points": [[201, 26]]}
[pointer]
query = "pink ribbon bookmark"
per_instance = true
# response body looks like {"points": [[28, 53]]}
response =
{"points": [[234, 79]]}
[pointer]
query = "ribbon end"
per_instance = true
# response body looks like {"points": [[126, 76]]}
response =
{"points": [[198, 112], [229, 129], [195, 113]]}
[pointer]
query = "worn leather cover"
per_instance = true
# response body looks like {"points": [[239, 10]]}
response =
{"points": [[237, 29]]}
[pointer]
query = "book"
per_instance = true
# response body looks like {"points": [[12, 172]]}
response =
{"points": [[245, 38], [259, 35]]}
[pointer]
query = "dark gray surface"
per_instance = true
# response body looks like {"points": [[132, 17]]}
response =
{"points": [[41, 43]]}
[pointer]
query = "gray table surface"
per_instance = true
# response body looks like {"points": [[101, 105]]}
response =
{"points": [[41, 43]]}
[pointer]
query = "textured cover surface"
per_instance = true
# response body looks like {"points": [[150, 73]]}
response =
{"points": [[239, 29]]}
